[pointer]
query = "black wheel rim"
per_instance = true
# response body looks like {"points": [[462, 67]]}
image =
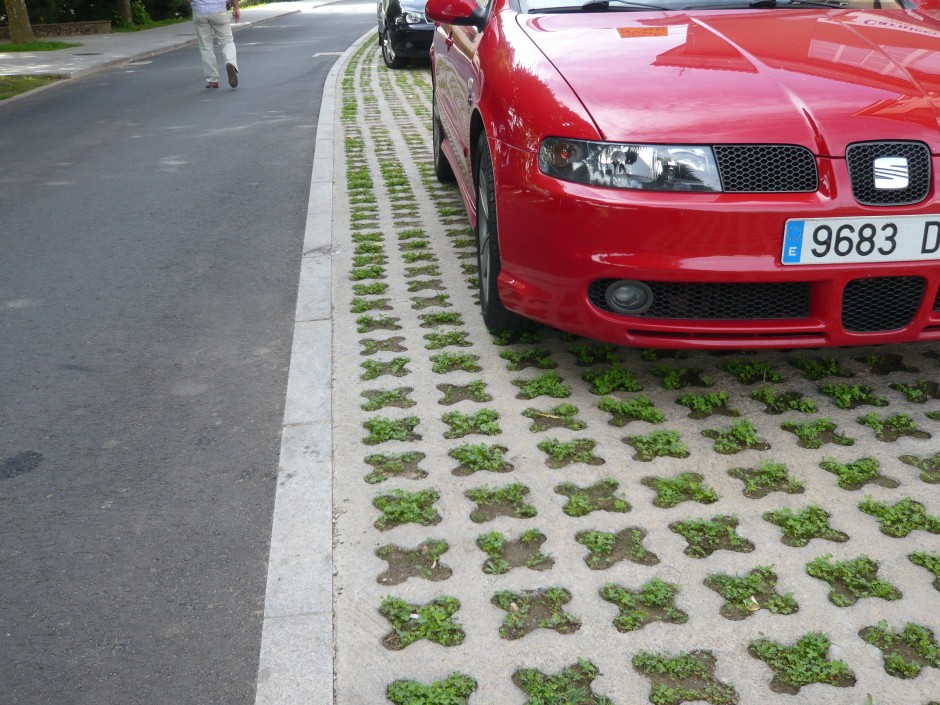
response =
{"points": [[387, 52]]}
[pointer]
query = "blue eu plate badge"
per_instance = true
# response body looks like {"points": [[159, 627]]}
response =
{"points": [[793, 241]]}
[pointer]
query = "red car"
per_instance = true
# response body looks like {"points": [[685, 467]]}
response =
{"points": [[697, 173]]}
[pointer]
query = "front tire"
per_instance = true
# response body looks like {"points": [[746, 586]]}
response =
{"points": [[489, 263], [442, 168], [391, 59]]}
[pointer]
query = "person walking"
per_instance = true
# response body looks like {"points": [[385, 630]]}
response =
{"points": [[213, 23]]}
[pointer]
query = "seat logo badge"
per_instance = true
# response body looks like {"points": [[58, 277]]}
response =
{"points": [[891, 173]]}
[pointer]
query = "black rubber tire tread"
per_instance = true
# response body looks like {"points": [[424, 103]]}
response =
{"points": [[489, 263], [442, 168]]}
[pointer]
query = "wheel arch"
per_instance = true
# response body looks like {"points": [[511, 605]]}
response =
{"points": [[476, 129]]}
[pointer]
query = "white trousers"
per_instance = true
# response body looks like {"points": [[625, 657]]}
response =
{"points": [[217, 26]]}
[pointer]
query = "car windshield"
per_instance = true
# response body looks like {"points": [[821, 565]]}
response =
{"points": [[539, 6]]}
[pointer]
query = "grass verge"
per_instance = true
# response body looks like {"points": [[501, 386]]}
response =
{"points": [[15, 85]]}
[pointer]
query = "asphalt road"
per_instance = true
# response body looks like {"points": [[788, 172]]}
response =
{"points": [[150, 244]]}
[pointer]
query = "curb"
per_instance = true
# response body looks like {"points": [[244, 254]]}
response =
{"points": [[295, 663]]}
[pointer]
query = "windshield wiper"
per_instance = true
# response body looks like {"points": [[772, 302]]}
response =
{"points": [[603, 5], [832, 4]]}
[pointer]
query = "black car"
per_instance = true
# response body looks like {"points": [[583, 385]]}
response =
{"points": [[404, 31]]}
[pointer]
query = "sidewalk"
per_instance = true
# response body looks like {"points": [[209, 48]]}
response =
{"points": [[541, 519], [99, 52]]}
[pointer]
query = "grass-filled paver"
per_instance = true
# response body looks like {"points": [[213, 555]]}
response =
{"points": [[657, 444], [622, 412], [561, 453], [548, 384], [456, 689], [930, 561], [804, 662], [703, 404], [613, 378], [684, 487], [799, 528], [741, 435], [508, 500], [766, 478], [747, 594], [654, 601], [681, 377], [779, 402], [401, 507], [851, 396], [929, 467], [817, 368], [560, 416], [482, 422], [450, 362], [852, 580], [456, 393], [410, 622], [539, 358], [571, 686], [386, 466], [751, 371], [474, 457], [605, 549], [381, 398], [529, 610], [906, 651], [373, 369], [684, 677], [816, 433], [523, 552], [901, 518], [383, 429], [601, 496], [883, 364], [445, 402], [421, 562], [705, 536], [858, 473], [891, 428]]}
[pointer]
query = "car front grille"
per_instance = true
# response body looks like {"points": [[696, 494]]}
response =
{"points": [[721, 302], [766, 168], [882, 304], [861, 158]]}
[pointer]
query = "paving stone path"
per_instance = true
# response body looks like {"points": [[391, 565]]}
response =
{"points": [[550, 520]]}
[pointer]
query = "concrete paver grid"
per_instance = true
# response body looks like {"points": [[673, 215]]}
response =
{"points": [[423, 262]]}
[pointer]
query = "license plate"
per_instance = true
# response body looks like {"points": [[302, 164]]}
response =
{"points": [[847, 240]]}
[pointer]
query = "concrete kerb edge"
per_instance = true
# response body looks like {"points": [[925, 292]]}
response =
{"points": [[295, 666]]}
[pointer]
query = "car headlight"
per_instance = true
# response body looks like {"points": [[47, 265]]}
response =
{"points": [[636, 166], [411, 18]]}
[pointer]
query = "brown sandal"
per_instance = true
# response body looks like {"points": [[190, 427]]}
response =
{"points": [[212, 84]]}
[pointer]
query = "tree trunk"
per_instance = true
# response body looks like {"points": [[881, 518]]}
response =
{"points": [[21, 32], [124, 11]]}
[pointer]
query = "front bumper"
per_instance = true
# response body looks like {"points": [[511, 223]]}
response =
{"points": [[716, 257], [413, 42]]}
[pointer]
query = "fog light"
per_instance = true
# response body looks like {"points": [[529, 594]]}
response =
{"points": [[629, 297]]}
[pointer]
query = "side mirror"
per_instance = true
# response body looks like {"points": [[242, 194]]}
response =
{"points": [[456, 12]]}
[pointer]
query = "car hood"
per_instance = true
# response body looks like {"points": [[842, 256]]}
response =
{"points": [[818, 78]]}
